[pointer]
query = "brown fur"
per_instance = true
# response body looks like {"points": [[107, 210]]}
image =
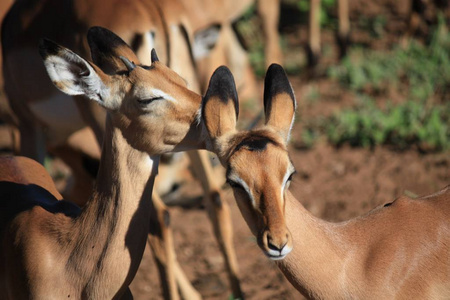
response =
{"points": [[397, 251], [55, 250], [130, 20]]}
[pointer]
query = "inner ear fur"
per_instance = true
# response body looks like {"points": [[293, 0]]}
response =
{"points": [[106, 49], [72, 74], [279, 101], [220, 105]]}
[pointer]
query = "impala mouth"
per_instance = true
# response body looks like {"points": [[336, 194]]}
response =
{"points": [[278, 255]]}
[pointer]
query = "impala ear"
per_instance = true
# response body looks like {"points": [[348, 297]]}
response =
{"points": [[154, 56], [73, 75], [220, 106], [279, 101], [107, 48]]}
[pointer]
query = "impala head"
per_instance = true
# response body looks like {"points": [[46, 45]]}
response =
{"points": [[258, 166], [150, 104]]}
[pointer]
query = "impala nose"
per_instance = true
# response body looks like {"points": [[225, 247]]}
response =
{"points": [[278, 248]]}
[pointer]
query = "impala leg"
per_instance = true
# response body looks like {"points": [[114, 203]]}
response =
{"points": [[343, 35], [314, 48], [219, 213], [160, 240], [414, 21], [269, 12], [186, 289]]}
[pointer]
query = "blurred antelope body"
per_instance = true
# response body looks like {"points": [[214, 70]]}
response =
{"points": [[38, 106], [396, 251]]}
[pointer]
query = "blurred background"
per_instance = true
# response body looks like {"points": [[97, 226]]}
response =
{"points": [[372, 124]]}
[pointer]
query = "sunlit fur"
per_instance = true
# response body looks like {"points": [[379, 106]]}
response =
{"points": [[54, 249], [395, 251], [264, 172], [257, 163]]}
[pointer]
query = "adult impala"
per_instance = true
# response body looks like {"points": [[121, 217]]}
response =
{"points": [[52, 249], [50, 120], [396, 251]]}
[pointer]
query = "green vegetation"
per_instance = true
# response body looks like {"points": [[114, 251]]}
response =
{"points": [[424, 69], [420, 73], [410, 124], [402, 125]]}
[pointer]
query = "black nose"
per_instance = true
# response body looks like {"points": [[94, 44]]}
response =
{"points": [[273, 246]]}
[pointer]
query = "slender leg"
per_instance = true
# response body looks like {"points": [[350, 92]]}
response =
{"points": [[160, 240], [186, 289], [314, 33], [414, 21], [343, 36], [269, 12], [219, 213]]}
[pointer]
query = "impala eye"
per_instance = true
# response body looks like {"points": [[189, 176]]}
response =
{"points": [[290, 176], [149, 100], [234, 184]]}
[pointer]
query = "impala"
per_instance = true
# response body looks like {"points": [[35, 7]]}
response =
{"points": [[50, 121], [396, 251], [54, 249]]}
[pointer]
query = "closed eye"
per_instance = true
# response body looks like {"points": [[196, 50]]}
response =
{"points": [[290, 176], [234, 184], [149, 100]]}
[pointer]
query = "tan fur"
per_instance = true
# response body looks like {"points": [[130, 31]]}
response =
{"points": [[396, 251], [95, 255], [227, 50], [166, 20]]}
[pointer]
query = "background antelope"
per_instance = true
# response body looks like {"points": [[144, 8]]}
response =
{"points": [[397, 250]]}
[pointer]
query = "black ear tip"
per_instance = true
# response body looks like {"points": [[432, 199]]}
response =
{"points": [[222, 85], [102, 37], [48, 47], [223, 75], [154, 56], [222, 71], [275, 70], [96, 31], [276, 82]]}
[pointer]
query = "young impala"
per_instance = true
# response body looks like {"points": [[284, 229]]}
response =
{"points": [[55, 250], [52, 121], [399, 250]]}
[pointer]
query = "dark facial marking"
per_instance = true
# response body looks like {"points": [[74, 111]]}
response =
{"points": [[255, 142]]}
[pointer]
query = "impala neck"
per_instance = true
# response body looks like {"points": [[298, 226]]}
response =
{"points": [[113, 227], [315, 264]]}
